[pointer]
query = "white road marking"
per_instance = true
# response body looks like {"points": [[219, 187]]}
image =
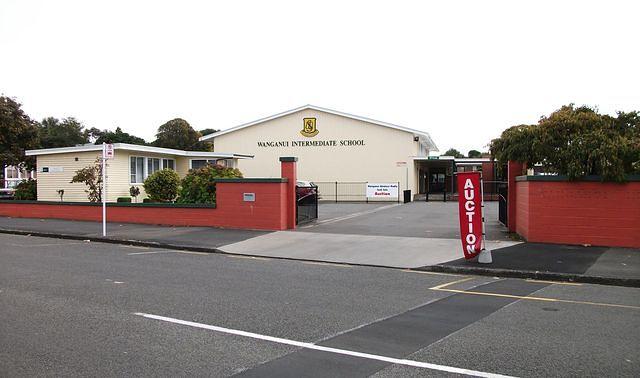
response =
{"points": [[391, 360]]}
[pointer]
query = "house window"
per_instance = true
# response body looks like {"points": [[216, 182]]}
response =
{"points": [[137, 169], [168, 164], [153, 165], [199, 163]]}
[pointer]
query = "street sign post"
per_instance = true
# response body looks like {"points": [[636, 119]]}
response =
{"points": [[107, 153]]}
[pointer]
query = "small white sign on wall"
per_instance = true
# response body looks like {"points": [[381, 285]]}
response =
{"points": [[51, 169], [249, 197], [382, 190]]}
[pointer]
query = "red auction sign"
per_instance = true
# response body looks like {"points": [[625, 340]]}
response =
{"points": [[470, 207]]}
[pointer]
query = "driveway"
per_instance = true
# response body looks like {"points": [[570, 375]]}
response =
{"points": [[403, 236], [416, 219]]}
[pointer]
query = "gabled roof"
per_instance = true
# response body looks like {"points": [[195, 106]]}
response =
{"points": [[135, 148], [423, 135]]}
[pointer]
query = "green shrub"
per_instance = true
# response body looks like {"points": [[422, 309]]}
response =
{"points": [[162, 186], [26, 190], [123, 199], [134, 191], [199, 185], [147, 200]]}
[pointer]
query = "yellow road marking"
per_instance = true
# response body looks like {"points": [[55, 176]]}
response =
{"points": [[439, 288]]}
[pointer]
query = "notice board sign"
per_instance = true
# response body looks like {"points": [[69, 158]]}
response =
{"points": [[382, 190]]}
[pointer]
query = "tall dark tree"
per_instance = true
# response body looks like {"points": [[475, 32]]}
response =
{"points": [[474, 154], [208, 131], [66, 133], [17, 134], [453, 152], [119, 136], [575, 141], [178, 134]]}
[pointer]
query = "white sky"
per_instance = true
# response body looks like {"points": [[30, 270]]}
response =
{"points": [[461, 70]]}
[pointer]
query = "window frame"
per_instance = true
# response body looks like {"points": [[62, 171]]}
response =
{"points": [[214, 160], [145, 166]]}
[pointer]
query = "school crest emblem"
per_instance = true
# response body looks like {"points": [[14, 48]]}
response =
{"points": [[309, 127]]}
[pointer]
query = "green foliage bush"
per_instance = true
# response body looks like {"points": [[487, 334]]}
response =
{"points": [[123, 199], [199, 185], [162, 185], [576, 142], [26, 190], [91, 176]]}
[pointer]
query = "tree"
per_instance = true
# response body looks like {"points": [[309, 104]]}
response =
{"points": [[119, 136], [91, 176], [17, 134], [453, 152], [474, 154], [66, 133], [204, 132], [199, 185], [575, 141], [178, 134], [26, 190], [162, 185]]}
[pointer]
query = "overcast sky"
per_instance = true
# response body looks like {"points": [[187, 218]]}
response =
{"points": [[461, 70]]}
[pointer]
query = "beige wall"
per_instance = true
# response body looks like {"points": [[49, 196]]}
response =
{"points": [[373, 162], [117, 171]]}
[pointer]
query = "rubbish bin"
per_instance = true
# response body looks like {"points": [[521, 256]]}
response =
{"points": [[407, 196]]}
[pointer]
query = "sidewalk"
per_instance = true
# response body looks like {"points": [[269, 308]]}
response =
{"points": [[613, 266]]}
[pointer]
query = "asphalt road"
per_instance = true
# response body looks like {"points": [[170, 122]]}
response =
{"points": [[78, 309]]}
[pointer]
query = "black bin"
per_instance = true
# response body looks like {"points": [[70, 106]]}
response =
{"points": [[407, 196]]}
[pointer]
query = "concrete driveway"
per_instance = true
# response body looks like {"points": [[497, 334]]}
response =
{"points": [[415, 219], [403, 236]]}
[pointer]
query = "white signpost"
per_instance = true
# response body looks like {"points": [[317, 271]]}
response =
{"points": [[382, 190], [107, 153]]}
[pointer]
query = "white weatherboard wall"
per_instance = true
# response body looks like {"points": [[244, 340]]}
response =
{"points": [[64, 166], [376, 161]]}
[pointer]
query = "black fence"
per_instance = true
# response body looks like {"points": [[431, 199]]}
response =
{"points": [[491, 190], [307, 204], [350, 191], [503, 197]]}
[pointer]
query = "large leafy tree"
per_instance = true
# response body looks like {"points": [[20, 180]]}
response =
{"points": [[119, 136], [61, 133], [575, 141], [178, 134], [17, 134], [453, 152], [474, 154]]}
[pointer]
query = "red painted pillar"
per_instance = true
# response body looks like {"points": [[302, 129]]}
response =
{"points": [[514, 169], [288, 170]]}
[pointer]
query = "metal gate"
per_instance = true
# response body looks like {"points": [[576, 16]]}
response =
{"points": [[307, 204], [503, 198]]}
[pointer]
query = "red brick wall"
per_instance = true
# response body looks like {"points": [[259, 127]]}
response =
{"points": [[603, 214], [268, 212]]}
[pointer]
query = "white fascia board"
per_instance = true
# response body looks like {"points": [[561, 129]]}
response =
{"points": [[422, 134], [135, 148]]}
